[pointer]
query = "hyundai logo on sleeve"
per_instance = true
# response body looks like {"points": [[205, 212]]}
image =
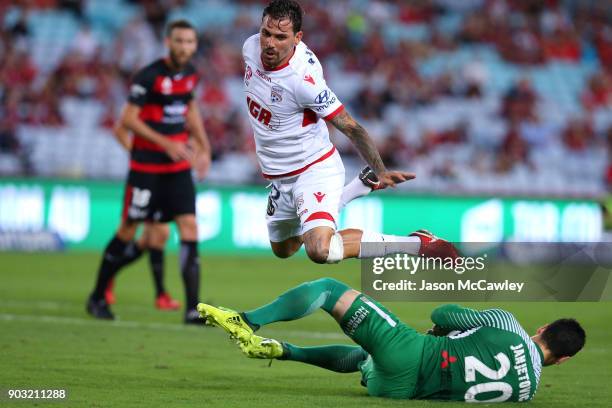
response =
{"points": [[322, 97]]}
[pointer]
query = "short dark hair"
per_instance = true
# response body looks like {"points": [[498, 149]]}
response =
{"points": [[564, 337], [179, 24], [282, 9]]}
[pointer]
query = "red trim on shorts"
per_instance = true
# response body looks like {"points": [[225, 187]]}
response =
{"points": [[320, 215], [334, 113], [127, 199], [160, 168], [301, 170]]}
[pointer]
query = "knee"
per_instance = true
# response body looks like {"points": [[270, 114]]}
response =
{"points": [[158, 236], [318, 252], [127, 231], [286, 248], [281, 252], [188, 229]]}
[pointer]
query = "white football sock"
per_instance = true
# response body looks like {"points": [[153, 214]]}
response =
{"points": [[354, 189], [387, 245]]}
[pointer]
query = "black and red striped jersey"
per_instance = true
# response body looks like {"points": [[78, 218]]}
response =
{"points": [[163, 96]]}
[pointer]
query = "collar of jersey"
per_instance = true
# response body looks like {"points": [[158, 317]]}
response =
{"points": [[539, 351], [285, 65]]}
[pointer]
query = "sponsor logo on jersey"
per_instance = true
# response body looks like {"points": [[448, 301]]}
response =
{"points": [[311, 61], [175, 113], [248, 73], [309, 78], [319, 196], [299, 201], [323, 97], [175, 110], [276, 94], [324, 100], [355, 320], [262, 113], [262, 75]]}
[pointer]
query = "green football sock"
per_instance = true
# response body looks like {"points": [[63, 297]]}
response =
{"points": [[339, 358], [298, 302]]}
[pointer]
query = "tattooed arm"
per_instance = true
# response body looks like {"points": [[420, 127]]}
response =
{"points": [[360, 139], [364, 144]]}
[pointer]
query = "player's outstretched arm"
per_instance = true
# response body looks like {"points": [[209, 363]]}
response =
{"points": [[203, 152], [455, 317], [364, 144]]}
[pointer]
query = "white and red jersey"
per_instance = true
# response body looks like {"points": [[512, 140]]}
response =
{"points": [[285, 107]]}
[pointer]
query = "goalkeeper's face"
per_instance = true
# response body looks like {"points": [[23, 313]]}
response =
{"points": [[182, 44]]}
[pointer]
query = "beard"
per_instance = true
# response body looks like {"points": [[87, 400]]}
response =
{"points": [[177, 61]]}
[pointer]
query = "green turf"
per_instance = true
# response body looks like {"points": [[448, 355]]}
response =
{"points": [[147, 358]]}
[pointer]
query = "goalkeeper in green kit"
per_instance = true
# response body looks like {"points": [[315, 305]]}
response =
{"points": [[469, 355]]}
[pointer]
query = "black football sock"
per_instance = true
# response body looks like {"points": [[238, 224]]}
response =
{"points": [[339, 358], [190, 269], [132, 253], [156, 261], [111, 262]]}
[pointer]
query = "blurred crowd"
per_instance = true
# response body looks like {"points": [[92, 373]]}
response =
{"points": [[348, 37]]}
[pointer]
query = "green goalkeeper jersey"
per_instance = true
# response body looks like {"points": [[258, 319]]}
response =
{"points": [[491, 359]]}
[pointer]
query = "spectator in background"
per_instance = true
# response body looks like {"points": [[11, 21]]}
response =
{"points": [[8, 137], [562, 45], [578, 135], [394, 150], [519, 102], [513, 151], [73, 6], [598, 92], [135, 46], [85, 43]]}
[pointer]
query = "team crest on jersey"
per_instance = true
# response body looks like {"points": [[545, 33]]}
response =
{"points": [[248, 73], [276, 94], [166, 86]]}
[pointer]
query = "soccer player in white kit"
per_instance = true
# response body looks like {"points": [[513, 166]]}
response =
{"points": [[288, 105]]}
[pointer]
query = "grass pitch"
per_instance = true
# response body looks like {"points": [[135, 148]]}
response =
{"points": [[148, 358]]}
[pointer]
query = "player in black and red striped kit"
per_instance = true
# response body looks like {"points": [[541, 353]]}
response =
{"points": [[162, 114]]}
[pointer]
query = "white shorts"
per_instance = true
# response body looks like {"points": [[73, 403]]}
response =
{"points": [[300, 203]]}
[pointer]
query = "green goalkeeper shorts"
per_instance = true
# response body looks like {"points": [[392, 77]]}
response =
{"points": [[395, 349]]}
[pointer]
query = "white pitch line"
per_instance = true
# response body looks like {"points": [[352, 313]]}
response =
{"points": [[151, 326]]}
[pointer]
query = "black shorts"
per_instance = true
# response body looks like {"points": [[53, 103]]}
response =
{"points": [[158, 197]]}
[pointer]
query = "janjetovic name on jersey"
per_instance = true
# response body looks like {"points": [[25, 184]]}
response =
{"points": [[285, 106], [493, 359]]}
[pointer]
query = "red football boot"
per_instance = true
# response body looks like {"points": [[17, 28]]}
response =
{"points": [[165, 302], [109, 296], [434, 247]]}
